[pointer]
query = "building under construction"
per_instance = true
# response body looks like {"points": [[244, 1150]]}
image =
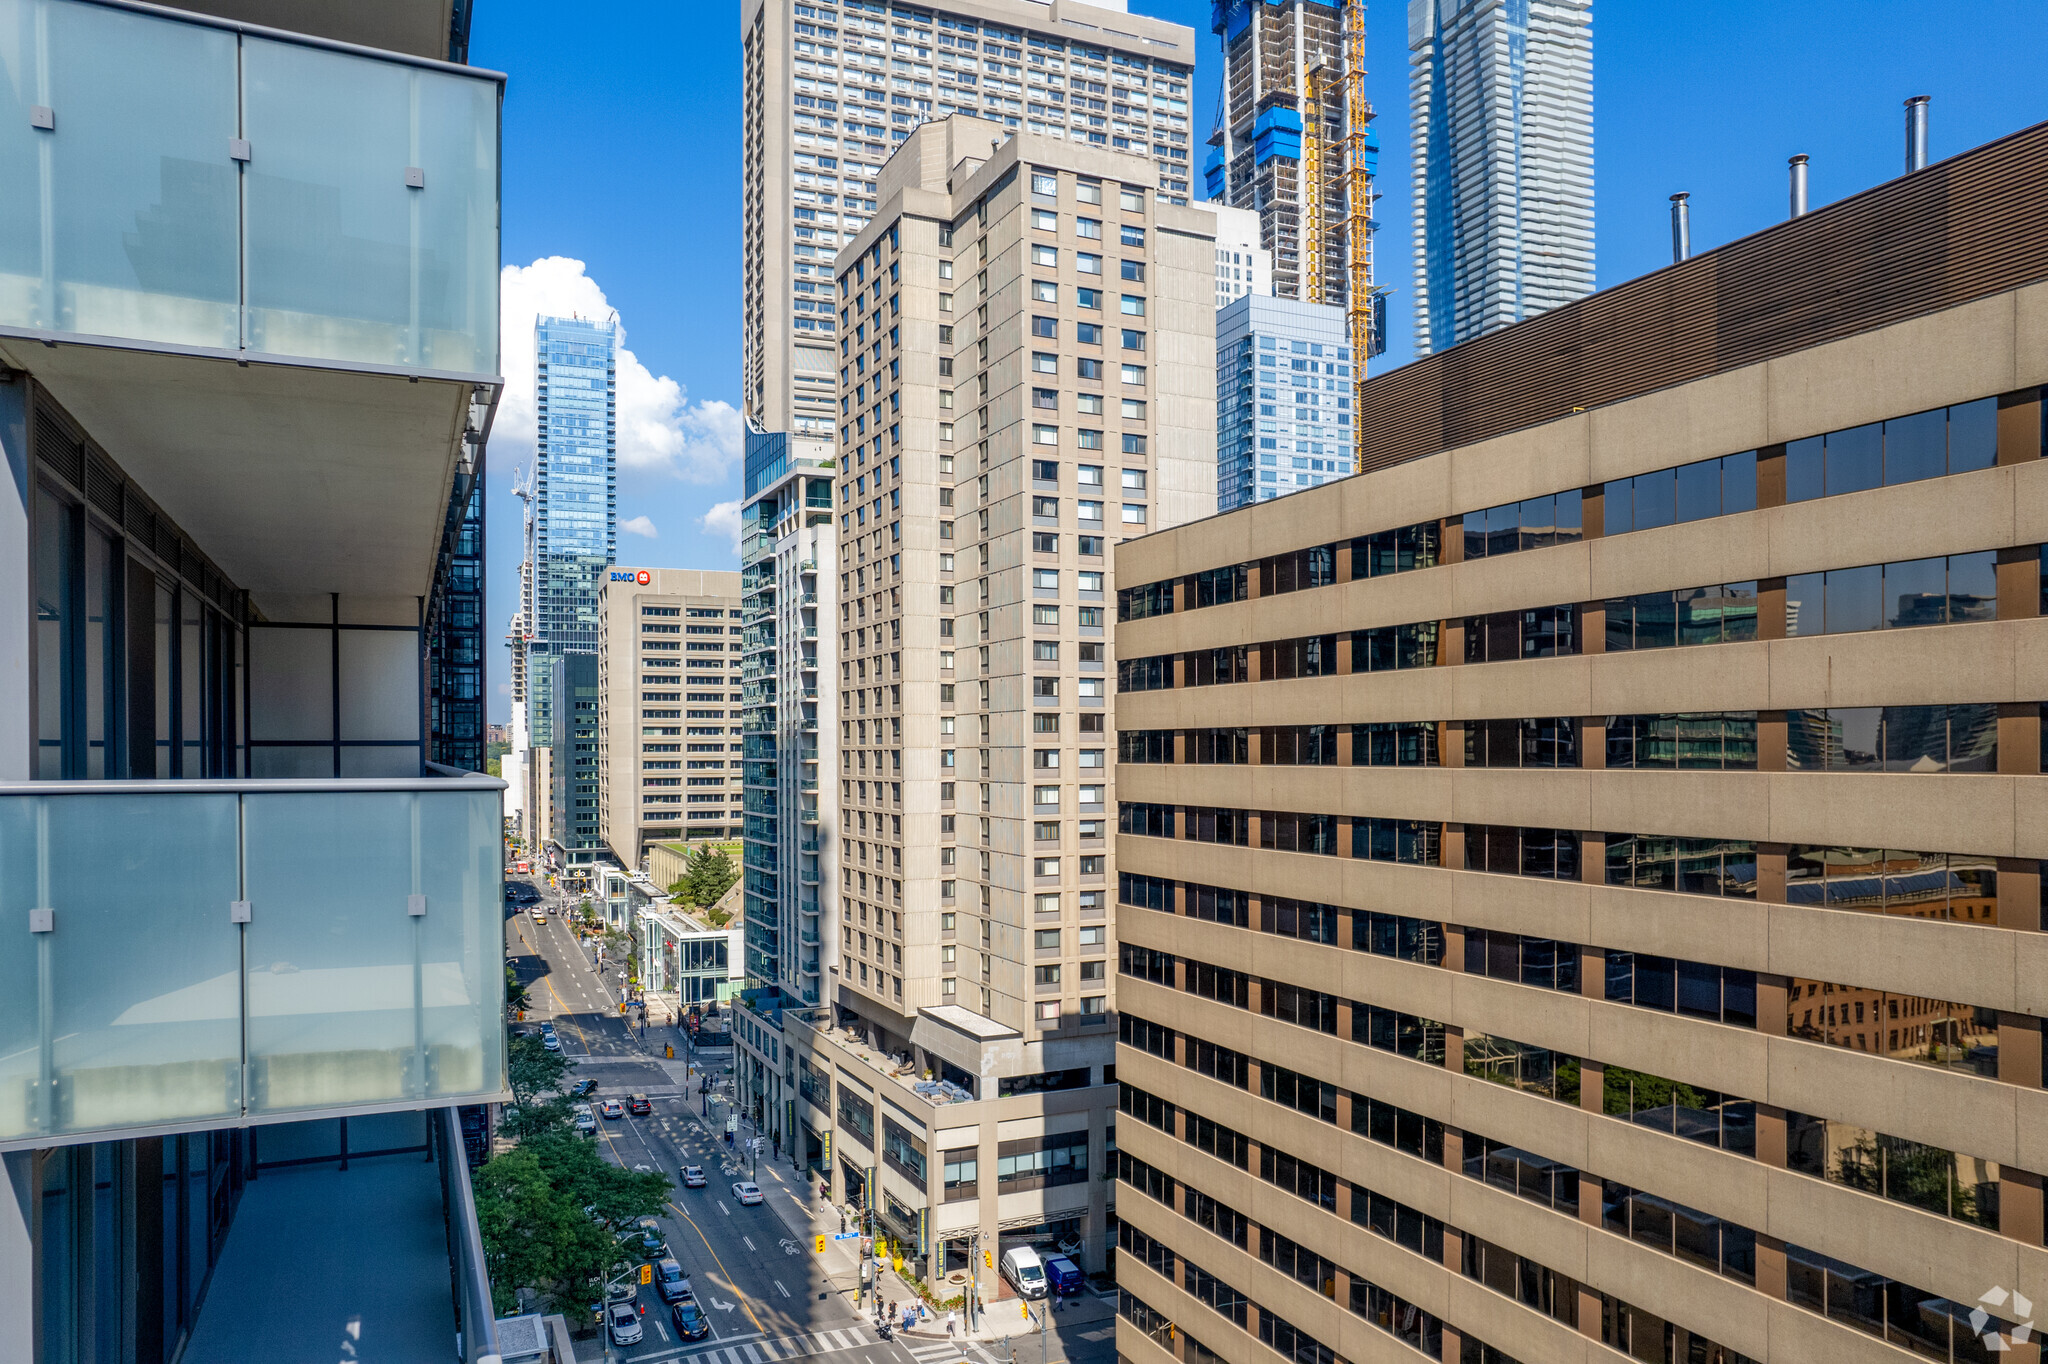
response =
{"points": [[1294, 141]]}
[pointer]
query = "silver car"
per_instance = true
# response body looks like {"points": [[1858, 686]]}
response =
{"points": [[624, 1320]]}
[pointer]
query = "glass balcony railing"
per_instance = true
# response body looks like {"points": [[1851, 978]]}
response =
{"points": [[175, 181], [219, 952]]}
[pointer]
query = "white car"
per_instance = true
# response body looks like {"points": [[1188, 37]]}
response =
{"points": [[624, 1320], [549, 1042], [586, 1121], [746, 1191]]}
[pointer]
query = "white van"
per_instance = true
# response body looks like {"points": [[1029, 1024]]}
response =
{"points": [[1022, 1268]]}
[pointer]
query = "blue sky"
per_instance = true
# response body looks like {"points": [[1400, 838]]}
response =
{"points": [[621, 151]]}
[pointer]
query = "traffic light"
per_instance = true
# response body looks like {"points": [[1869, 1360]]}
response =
{"points": [[988, 1259], [647, 1274], [821, 1245]]}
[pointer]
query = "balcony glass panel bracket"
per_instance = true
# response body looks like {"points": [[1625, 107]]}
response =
{"points": [[364, 974]]}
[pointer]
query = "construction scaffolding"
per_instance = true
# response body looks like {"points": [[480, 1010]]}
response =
{"points": [[1364, 303]]}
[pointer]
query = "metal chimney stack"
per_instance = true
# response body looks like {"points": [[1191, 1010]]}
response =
{"points": [[1916, 133], [1681, 228], [1798, 167]]}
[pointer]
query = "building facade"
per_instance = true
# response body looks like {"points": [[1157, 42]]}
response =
{"points": [[1029, 340], [575, 506], [1580, 884], [1500, 99], [1284, 383], [1242, 265], [243, 409], [576, 767], [831, 90], [789, 577], [669, 723]]}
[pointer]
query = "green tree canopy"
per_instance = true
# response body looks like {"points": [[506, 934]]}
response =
{"points": [[708, 875]]}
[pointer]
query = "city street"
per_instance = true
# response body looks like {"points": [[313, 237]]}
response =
{"points": [[770, 1297]]}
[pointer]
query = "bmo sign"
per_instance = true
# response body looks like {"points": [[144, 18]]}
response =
{"points": [[627, 575]]}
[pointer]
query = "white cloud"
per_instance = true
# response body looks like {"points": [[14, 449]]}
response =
{"points": [[640, 525], [724, 519], [659, 430]]}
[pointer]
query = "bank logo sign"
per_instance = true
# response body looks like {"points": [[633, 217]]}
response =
{"points": [[627, 575]]}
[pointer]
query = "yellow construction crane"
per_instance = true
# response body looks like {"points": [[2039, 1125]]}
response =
{"points": [[1312, 184], [1361, 166]]}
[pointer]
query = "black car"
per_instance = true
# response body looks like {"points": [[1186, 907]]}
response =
{"points": [[689, 1319], [583, 1089], [638, 1106]]}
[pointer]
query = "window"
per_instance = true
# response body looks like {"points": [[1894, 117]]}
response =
{"points": [[1044, 184], [1045, 327], [1133, 340], [1088, 298], [1045, 796], [1134, 513], [1045, 220], [1134, 374], [1040, 255], [1088, 191], [1044, 291], [1045, 578], [1134, 480], [1089, 475], [1131, 200], [1088, 368], [1089, 228], [1045, 650], [1045, 435], [1044, 363], [1045, 470], [1088, 511], [1132, 236], [1133, 305], [1134, 409], [1090, 403], [1045, 615], [1087, 264]]}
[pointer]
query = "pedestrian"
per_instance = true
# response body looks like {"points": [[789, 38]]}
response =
{"points": [[951, 1322]]}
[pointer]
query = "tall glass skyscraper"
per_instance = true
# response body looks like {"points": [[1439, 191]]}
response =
{"points": [[1500, 95], [575, 498]]}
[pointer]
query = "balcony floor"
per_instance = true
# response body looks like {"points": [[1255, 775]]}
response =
{"points": [[324, 1264]]}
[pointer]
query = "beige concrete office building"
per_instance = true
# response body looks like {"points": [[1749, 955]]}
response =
{"points": [[1029, 337], [669, 727], [1581, 882], [832, 90]]}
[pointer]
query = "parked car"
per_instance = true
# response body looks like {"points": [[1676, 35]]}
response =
{"points": [[653, 1240], [612, 1108], [1024, 1270], [690, 1321], [624, 1320], [669, 1281], [637, 1105], [586, 1121], [746, 1191], [693, 1177]]}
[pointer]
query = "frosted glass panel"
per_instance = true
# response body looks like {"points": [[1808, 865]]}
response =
{"points": [[345, 261], [291, 684], [140, 977], [380, 684], [351, 998], [140, 193]]}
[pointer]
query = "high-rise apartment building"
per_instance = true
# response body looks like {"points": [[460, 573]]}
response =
{"points": [[1500, 100], [831, 90], [1580, 882], [790, 586], [1242, 265], [1028, 340], [1284, 386], [575, 498], [251, 923], [669, 719], [1279, 148]]}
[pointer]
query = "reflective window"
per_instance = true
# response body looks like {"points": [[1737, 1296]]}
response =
{"points": [[1902, 450]]}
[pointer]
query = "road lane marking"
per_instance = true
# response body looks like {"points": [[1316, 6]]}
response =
{"points": [[731, 1283], [779, 1288], [722, 1208]]}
